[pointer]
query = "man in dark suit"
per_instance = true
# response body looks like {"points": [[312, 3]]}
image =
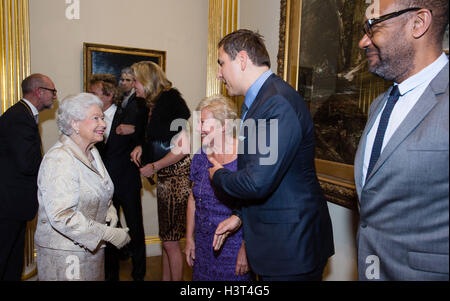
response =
{"points": [[287, 227], [20, 157], [401, 166], [120, 140], [134, 110]]}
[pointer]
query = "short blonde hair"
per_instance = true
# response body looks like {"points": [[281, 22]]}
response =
{"points": [[153, 78], [223, 109]]}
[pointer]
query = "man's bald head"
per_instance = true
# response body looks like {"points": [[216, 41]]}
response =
{"points": [[32, 82]]}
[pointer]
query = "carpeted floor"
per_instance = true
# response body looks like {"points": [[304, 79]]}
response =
{"points": [[154, 271]]}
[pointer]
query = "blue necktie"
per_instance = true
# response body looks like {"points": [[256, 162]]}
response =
{"points": [[378, 143], [243, 110]]}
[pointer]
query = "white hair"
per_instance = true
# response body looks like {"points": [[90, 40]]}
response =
{"points": [[73, 108]]}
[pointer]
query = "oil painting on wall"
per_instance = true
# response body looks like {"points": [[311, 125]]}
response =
{"points": [[112, 59], [319, 55], [322, 60], [333, 75]]}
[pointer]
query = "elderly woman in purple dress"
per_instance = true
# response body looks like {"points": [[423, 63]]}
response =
{"points": [[207, 207]]}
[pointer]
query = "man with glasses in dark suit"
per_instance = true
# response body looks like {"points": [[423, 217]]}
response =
{"points": [[401, 166], [134, 109], [20, 157]]}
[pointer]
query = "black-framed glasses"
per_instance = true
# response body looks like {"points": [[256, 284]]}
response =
{"points": [[367, 29], [54, 91]]}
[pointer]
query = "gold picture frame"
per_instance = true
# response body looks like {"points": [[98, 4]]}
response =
{"points": [[99, 58], [336, 178], [296, 51]]}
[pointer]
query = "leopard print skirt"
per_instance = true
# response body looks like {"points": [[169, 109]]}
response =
{"points": [[173, 189]]}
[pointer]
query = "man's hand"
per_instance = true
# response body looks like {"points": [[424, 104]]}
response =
{"points": [[136, 155], [224, 229], [213, 169], [242, 262], [125, 129]]}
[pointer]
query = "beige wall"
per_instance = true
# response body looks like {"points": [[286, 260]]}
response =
{"points": [[178, 27], [262, 16]]}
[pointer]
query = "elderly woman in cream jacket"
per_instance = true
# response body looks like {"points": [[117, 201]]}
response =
{"points": [[74, 192]]}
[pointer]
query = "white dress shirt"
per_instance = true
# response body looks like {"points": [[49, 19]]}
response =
{"points": [[126, 98], [109, 116], [410, 91], [33, 110]]}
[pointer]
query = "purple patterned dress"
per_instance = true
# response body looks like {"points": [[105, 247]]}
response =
{"points": [[211, 208]]}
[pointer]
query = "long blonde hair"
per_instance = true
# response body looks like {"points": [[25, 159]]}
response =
{"points": [[153, 78]]}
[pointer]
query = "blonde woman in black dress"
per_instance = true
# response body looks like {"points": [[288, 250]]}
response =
{"points": [[160, 154]]}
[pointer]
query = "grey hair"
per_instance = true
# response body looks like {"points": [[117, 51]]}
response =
{"points": [[127, 70], [73, 108]]}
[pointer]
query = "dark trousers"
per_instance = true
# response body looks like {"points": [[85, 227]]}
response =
{"points": [[132, 210], [12, 245], [315, 275]]}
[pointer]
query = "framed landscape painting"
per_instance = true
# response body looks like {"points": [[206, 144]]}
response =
{"points": [[98, 58], [319, 56]]}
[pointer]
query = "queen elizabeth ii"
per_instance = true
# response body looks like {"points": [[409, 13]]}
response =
{"points": [[74, 193]]}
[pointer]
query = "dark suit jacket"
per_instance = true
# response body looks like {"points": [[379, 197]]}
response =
{"points": [[136, 113], [287, 227], [20, 157], [116, 151]]}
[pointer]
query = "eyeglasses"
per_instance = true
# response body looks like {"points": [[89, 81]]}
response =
{"points": [[367, 29], [54, 91]]}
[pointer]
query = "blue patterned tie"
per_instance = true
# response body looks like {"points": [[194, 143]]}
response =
{"points": [[378, 143]]}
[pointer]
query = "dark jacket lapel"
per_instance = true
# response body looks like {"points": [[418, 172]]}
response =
{"points": [[29, 112], [259, 97]]}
